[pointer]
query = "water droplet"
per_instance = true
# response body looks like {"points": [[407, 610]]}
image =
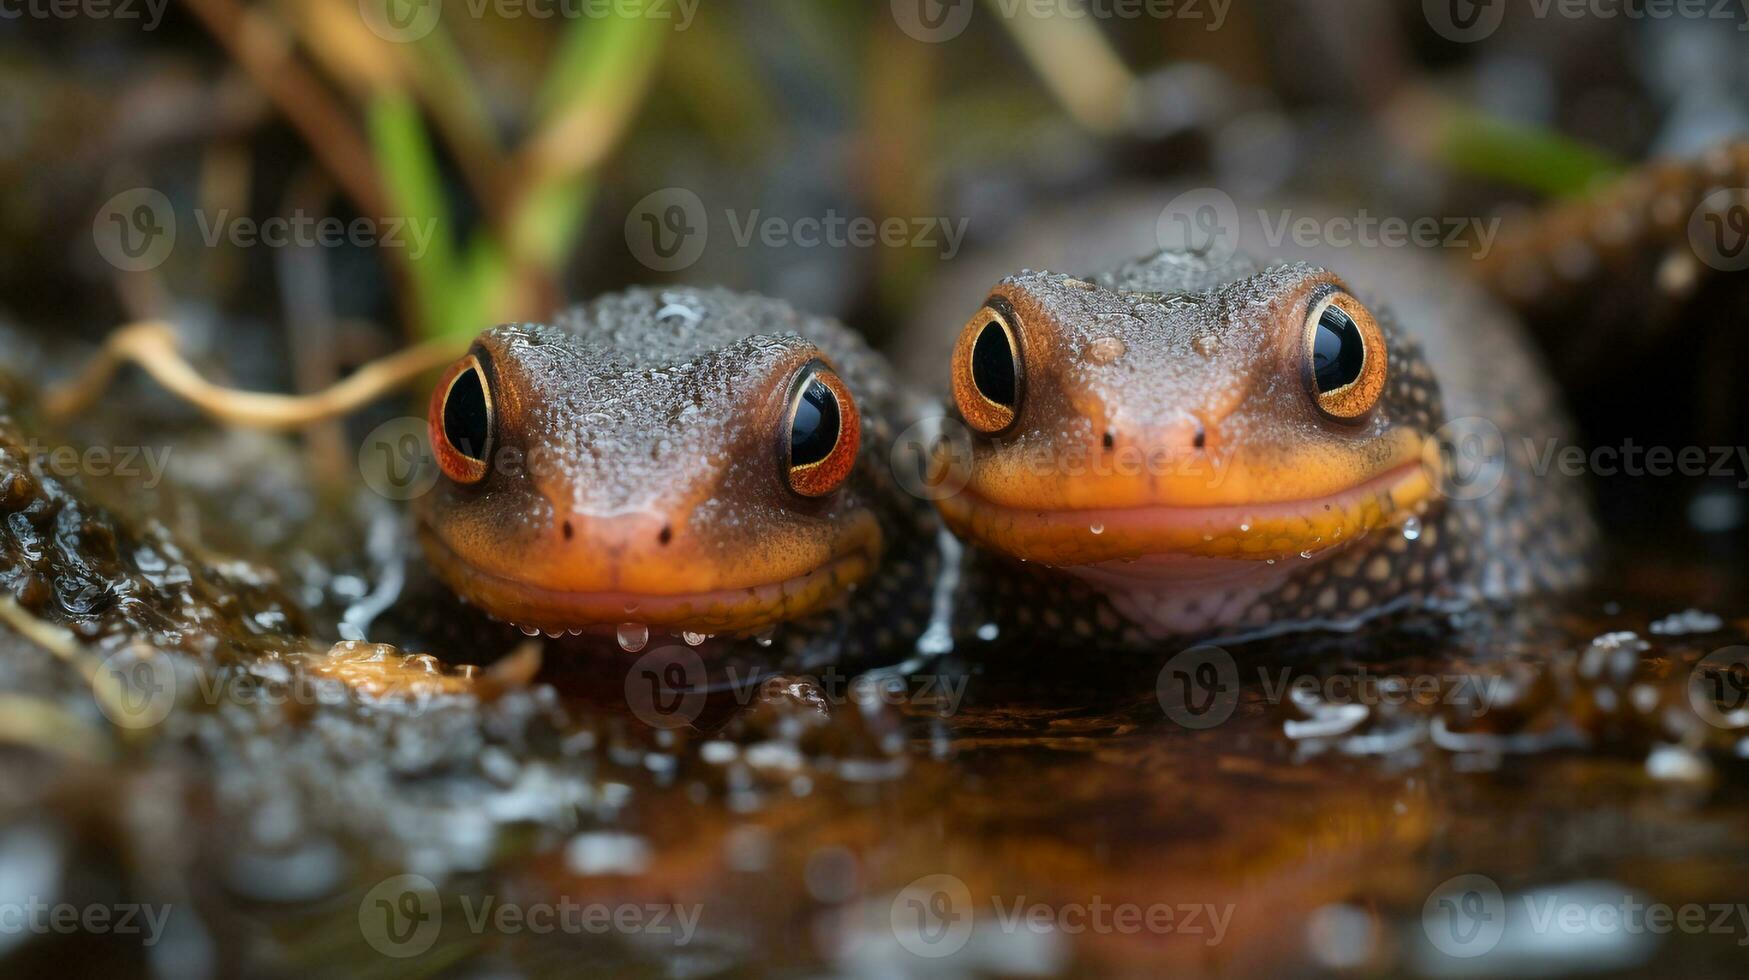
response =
{"points": [[1412, 528], [693, 639], [633, 636], [1245, 528], [988, 631], [1269, 561], [1306, 554], [1104, 350], [528, 630], [764, 637], [1097, 528]]}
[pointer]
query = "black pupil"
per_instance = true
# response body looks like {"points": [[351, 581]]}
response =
{"points": [[465, 423], [815, 430], [1337, 350], [993, 365]]}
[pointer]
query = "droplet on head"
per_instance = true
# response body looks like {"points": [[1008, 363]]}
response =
{"points": [[633, 636], [1204, 344], [1104, 350], [693, 639], [1412, 528], [1097, 528], [988, 631]]}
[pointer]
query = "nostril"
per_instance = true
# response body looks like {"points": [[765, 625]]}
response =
{"points": [[666, 535], [568, 532], [1201, 438], [1110, 439]]}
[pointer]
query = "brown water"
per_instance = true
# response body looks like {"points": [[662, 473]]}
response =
{"points": [[176, 739]]}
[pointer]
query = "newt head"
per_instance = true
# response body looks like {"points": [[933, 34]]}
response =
{"points": [[1176, 410], [646, 463]]}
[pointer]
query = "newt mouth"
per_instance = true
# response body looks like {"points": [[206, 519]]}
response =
{"points": [[736, 610], [1271, 530]]}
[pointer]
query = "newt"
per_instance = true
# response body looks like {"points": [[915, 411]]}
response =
{"points": [[1189, 447], [691, 461]]}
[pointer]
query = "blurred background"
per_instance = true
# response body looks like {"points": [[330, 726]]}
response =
{"points": [[448, 164], [302, 186]]}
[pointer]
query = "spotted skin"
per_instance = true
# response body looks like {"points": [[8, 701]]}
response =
{"points": [[1669, 224], [637, 444], [1455, 357]]}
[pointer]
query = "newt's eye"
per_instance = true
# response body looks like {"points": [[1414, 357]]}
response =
{"points": [[989, 377], [1344, 357], [460, 419], [823, 432]]}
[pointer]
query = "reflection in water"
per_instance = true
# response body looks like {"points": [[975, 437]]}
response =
{"points": [[1495, 793]]}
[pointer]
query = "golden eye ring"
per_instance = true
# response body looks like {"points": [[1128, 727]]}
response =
{"points": [[1344, 356], [461, 420], [822, 432], [989, 369]]}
